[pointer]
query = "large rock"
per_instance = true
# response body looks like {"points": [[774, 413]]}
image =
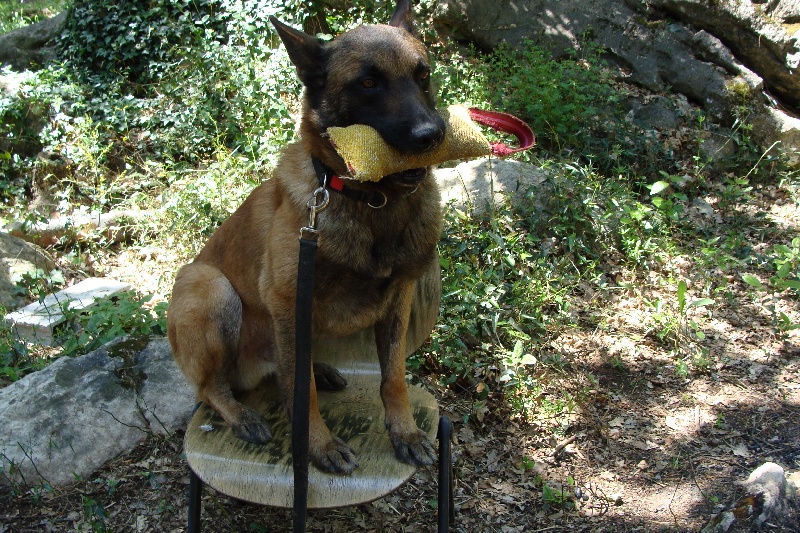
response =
{"points": [[78, 413], [763, 36], [773, 127], [716, 45], [482, 183], [31, 46], [770, 497], [18, 257]]}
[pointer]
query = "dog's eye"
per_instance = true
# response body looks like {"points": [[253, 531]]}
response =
{"points": [[369, 83]]}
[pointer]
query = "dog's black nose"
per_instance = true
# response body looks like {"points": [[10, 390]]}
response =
{"points": [[427, 136]]}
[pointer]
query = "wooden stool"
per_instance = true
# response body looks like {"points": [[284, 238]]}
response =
{"points": [[263, 473]]}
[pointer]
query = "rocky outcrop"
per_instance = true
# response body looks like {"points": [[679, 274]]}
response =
{"points": [[17, 258], [717, 54], [763, 36], [76, 414], [31, 46], [710, 46]]}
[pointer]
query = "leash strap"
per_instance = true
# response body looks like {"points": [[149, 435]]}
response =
{"points": [[505, 123], [302, 381], [302, 346]]}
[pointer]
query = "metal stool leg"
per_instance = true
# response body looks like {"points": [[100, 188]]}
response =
{"points": [[446, 509], [195, 502]]}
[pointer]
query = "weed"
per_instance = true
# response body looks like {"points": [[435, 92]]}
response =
{"points": [[94, 513], [785, 262], [36, 284], [558, 496], [15, 359], [127, 313]]}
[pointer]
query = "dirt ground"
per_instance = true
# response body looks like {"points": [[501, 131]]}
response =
{"points": [[641, 448]]}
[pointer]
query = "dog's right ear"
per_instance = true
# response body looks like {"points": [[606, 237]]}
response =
{"points": [[403, 16], [305, 53]]}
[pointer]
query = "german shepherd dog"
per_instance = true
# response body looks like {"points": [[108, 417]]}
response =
{"points": [[231, 319]]}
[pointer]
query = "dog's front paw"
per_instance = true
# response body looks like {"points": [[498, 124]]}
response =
{"points": [[328, 378], [252, 427], [335, 456], [413, 448]]}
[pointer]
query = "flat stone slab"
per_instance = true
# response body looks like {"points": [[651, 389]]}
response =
{"points": [[36, 322]]}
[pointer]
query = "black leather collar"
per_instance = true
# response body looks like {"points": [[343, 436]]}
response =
{"points": [[328, 178]]}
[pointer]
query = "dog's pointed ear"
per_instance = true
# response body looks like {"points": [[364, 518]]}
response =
{"points": [[403, 16], [305, 52]]}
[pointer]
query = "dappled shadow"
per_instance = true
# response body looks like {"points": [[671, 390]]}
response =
{"points": [[668, 450]]}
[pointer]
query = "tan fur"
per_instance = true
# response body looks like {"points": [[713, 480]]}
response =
{"points": [[231, 319]]}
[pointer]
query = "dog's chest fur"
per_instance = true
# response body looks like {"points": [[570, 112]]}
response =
{"points": [[364, 254]]}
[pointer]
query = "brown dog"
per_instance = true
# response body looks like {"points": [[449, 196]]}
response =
{"points": [[231, 319]]}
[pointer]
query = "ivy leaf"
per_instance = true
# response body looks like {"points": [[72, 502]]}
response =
{"points": [[681, 296], [658, 187], [753, 281]]}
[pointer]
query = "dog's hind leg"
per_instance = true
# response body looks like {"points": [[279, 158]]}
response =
{"points": [[204, 323], [328, 378]]}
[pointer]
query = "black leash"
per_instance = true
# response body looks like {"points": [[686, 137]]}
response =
{"points": [[302, 368]]}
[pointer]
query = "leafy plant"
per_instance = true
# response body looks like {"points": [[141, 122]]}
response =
{"points": [[15, 359], [94, 513], [785, 262], [15, 15], [36, 284], [125, 314]]}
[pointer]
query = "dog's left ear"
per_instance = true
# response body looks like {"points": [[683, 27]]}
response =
{"points": [[403, 16], [305, 53]]}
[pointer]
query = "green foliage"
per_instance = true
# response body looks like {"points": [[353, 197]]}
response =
{"points": [[199, 201], [37, 284], [94, 513], [559, 97], [136, 40], [785, 263], [15, 15], [496, 292], [15, 360], [125, 314]]}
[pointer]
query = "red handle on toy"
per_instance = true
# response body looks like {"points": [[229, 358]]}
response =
{"points": [[507, 124]]}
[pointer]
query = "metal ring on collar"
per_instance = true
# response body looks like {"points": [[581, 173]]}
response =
{"points": [[385, 201]]}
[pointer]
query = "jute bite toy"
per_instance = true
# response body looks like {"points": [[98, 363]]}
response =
{"points": [[370, 158]]}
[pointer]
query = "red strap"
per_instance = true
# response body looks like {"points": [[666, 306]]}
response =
{"points": [[336, 183], [507, 124]]}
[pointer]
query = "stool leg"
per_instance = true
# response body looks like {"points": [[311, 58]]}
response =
{"points": [[195, 502], [446, 509]]}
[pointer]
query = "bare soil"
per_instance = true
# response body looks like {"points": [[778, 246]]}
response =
{"points": [[642, 446]]}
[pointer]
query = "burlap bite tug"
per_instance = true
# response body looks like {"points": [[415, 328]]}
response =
{"points": [[369, 158]]}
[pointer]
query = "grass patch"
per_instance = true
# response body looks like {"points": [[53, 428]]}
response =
{"points": [[14, 15]]}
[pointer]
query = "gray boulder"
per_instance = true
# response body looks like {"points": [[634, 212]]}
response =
{"points": [[18, 257], [31, 46], [76, 414], [655, 56], [759, 35], [715, 41], [482, 183]]}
